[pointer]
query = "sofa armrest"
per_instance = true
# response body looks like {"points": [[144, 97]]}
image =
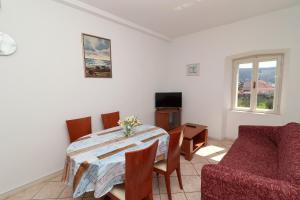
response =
{"points": [[271, 132], [220, 182]]}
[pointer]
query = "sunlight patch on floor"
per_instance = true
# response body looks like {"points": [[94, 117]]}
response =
{"points": [[208, 150], [218, 157]]}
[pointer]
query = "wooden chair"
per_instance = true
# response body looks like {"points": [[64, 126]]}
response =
{"points": [[79, 127], [172, 163], [138, 175], [110, 120]]}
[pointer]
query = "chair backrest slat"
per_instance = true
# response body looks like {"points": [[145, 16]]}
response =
{"points": [[110, 120], [174, 150], [138, 172], [79, 127]]}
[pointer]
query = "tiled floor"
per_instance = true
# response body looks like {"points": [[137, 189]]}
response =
{"points": [[191, 178]]}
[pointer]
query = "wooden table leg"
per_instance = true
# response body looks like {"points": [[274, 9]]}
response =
{"points": [[188, 149], [205, 137]]}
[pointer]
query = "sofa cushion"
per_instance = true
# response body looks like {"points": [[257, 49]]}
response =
{"points": [[255, 154], [289, 153]]}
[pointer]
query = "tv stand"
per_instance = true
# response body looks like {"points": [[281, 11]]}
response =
{"points": [[168, 118]]}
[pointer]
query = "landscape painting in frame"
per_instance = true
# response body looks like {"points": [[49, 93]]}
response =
{"points": [[97, 56]]}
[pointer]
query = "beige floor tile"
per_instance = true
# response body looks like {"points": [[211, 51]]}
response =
{"points": [[186, 169], [183, 160], [28, 193], [57, 178], [211, 161], [228, 147], [177, 196], [155, 186], [50, 191], [227, 142], [198, 167], [214, 141], [174, 185], [193, 196], [156, 197], [191, 183], [199, 159], [67, 192]]}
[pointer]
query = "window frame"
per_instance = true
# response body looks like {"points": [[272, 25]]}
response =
{"points": [[255, 60]]}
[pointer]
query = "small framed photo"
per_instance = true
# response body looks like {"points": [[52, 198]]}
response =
{"points": [[193, 69], [97, 56]]}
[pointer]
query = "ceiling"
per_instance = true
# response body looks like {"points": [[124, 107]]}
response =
{"points": [[173, 18]]}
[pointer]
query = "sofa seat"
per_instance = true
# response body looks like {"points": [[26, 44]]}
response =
{"points": [[253, 155]]}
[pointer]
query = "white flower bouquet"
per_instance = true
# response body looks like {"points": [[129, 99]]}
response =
{"points": [[129, 124]]}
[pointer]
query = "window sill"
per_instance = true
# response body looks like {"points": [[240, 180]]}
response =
{"points": [[255, 113]]}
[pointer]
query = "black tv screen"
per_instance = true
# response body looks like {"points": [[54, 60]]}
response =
{"points": [[168, 100]]}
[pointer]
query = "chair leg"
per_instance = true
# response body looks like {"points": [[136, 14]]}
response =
{"points": [[168, 186], [179, 177]]}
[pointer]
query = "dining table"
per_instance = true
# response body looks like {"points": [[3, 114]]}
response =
{"points": [[96, 162]]}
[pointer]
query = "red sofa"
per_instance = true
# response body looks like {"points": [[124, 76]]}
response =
{"points": [[263, 163]]}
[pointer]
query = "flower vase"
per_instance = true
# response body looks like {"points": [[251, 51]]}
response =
{"points": [[128, 130]]}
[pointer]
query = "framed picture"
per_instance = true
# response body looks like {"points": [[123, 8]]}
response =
{"points": [[97, 56], [193, 69]]}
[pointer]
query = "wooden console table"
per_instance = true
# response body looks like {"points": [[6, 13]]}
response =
{"points": [[193, 139]]}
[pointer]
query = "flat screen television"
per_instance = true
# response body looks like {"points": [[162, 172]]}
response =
{"points": [[168, 100]]}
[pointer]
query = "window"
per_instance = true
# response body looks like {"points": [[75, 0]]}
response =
{"points": [[257, 83]]}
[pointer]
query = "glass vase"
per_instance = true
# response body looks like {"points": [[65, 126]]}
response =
{"points": [[128, 130]]}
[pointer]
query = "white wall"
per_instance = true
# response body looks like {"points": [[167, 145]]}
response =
{"points": [[207, 97], [43, 84]]}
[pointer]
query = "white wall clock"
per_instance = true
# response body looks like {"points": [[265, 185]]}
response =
{"points": [[8, 45]]}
